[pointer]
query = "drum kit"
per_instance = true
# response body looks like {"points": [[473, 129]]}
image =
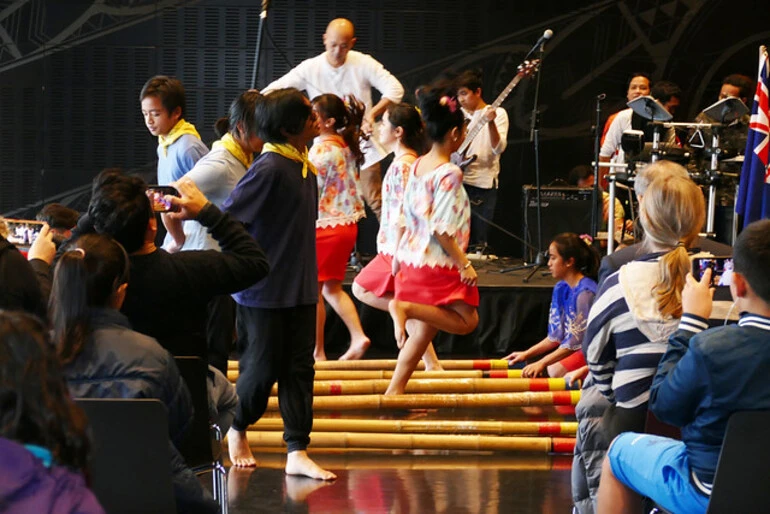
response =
{"points": [[706, 172]]}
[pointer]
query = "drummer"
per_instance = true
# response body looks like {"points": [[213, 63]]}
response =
{"points": [[732, 140]]}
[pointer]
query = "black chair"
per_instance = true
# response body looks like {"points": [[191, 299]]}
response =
{"points": [[739, 483], [202, 445], [130, 455]]}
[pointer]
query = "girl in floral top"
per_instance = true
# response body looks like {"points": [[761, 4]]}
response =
{"points": [[402, 131], [575, 264], [337, 156], [436, 284]]}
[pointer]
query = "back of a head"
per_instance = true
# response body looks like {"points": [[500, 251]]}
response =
{"points": [[471, 79], [282, 112], [120, 208], [579, 173], [87, 276], [672, 212], [751, 255], [440, 110], [655, 170], [241, 114], [407, 117], [664, 90], [169, 90], [58, 216], [742, 82], [348, 115], [35, 407]]}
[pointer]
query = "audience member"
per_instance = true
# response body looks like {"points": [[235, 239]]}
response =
{"points": [[60, 219], [103, 358], [704, 377], [25, 283], [43, 443]]}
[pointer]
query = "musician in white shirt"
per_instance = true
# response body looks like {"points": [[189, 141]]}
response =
{"points": [[480, 177], [343, 71]]}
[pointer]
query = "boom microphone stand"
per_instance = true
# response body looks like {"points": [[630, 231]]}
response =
{"points": [[262, 18], [595, 193]]}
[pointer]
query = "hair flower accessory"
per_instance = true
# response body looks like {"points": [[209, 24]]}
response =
{"points": [[587, 239], [450, 102]]}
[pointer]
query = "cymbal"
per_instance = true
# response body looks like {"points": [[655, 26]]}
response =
{"points": [[726, 110], [649, 108]]}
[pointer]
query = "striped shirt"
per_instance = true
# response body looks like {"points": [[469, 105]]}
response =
{"points": [[626, 336]]}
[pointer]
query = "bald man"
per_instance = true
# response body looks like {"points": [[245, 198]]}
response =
{"points": [[343, 71]]}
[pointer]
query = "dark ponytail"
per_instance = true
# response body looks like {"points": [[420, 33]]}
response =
{"points": [[408, 118], [347, 119], [86, 276], [242, 112]]}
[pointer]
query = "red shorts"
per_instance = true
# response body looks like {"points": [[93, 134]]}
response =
{"points": [[434, 286], [377, 276], [574, 361], [333, 246]]}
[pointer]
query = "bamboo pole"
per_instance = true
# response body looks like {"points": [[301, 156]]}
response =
{"points": [[368, 374], [390, 364], [463, 386], [566, 428], [437, 401], [420, 441]]}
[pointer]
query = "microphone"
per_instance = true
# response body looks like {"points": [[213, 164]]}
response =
{"points": [[548, 34], [601, 96]]}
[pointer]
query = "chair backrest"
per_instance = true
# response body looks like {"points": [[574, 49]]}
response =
{"points": [[740, 482], [130, 457], [196, 448]]}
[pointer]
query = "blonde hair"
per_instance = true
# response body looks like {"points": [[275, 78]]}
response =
{"points": [[673, 211]]}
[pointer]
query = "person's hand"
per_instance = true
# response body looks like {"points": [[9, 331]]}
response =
{"points": [[573, 376], [190, 201], [515, 357], [532, 370], [43, 248], [367, 126], [697, 296], [468, 276], [490, 114]]}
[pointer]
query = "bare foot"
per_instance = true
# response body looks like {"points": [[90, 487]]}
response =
{"points": [[357, 350], [240, 453], [398, 314], [298, 488], [433, 366], [319, 356], [298, 463]]}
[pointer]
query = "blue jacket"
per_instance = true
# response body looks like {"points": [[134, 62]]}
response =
{"points": [[705, 376]]}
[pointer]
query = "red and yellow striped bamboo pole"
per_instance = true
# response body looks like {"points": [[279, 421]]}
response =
{"points": [[420, 441], [461, 386], [390, 364], [437, 401], [369, 374], [566, 428]]}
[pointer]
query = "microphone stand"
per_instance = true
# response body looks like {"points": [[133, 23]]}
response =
{"points": [[262, 18], [534, 137], [595, 193]]}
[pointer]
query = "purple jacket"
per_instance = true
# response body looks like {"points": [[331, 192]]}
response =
{"points": [[26, 485]]}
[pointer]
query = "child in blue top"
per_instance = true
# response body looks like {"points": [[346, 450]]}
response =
{"points": [[575, 263], [703, 378]]}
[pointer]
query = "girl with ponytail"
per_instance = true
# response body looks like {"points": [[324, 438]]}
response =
{"points": [[435, 284], [337, 157], [403, 132]]}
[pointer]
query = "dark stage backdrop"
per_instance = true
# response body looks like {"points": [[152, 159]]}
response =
{"points": [[70, 72]]}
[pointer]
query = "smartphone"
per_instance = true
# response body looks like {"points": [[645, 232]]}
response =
{"points": [[721, 269], [157, 195], [23, 232]]}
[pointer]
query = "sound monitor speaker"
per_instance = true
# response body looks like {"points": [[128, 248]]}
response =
{"points": [[562, 209]]}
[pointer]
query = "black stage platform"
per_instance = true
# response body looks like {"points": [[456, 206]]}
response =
{"points": [[513, 315]]}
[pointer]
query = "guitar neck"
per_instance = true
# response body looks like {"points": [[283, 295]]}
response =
{"points": [[497, 103]]}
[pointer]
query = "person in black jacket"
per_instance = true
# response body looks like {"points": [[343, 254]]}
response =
{"points": [[103, 358], [169, 293]]}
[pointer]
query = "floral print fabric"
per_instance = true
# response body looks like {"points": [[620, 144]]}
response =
{"points": [[568, 316], [393, 188], [339, 200]]}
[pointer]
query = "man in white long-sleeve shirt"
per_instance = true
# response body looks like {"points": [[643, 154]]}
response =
{"points": [[343, 71]]}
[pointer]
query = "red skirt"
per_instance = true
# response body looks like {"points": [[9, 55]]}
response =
{"points": [[433, 286], [333, 247], [574, 361], [377, 276]]}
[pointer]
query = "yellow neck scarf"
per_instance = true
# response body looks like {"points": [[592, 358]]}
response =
{"points": [[290, 152], [181, 128], [232, 146]]}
